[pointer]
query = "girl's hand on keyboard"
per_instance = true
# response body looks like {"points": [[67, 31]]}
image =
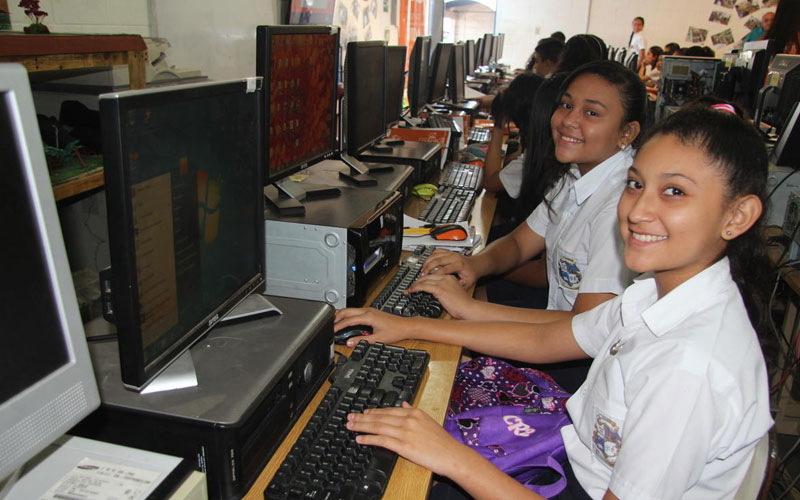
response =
{"points": [[386, 328], [443, 262], [410, 433], [448, 291]]}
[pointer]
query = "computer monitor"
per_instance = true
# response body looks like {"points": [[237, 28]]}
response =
{"points": [[365, 94], [787, 151], [750, 71], [456, 75], [300, 67], [781, 90], [48, 383], [395, 83], [440, 66], [488, 47], [469, 57], [184, 176], [478, 53], [418, 69], [500, 42]]}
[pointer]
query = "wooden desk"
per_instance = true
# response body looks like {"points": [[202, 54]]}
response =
{"points": [[409, 481], [54, 52]]}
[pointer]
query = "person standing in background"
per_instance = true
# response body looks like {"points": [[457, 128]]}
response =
{"points": [[758, 32], [637, 40]]}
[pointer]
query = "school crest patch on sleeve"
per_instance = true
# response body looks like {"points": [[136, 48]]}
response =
{"points": [[569, 272], [607, 439]]}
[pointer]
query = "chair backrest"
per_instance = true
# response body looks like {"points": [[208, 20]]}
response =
{"points": [[632, 63], [621, 55], [757, 481]]}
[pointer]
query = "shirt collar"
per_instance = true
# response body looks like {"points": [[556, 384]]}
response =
{"points": [[587, 184], [640, 301]]}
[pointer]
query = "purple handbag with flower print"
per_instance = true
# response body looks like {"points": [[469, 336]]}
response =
{"points": [[513, 417]]}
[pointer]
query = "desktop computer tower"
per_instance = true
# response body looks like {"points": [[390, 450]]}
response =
{"points": [[425, 157], [338, 249], [255, 377]]}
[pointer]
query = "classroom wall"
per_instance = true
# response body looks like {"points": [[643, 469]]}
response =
{"points": [[525, 23]]}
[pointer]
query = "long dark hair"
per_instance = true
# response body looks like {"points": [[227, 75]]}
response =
{"points": [[786, 24], [578, 50], [541, 170], [514, 102], [737, 149]]}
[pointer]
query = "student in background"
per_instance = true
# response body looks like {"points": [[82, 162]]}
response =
{"points": [[677, 397], [671, 48], [544, 59], [637, 42], [650, 62], [579, 50], [758, 32]]}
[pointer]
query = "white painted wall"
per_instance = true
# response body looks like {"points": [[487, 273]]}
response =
{"points": [[525, 22]]}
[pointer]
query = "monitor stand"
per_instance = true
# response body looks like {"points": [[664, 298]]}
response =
{"points": [[286, 196], [181, 374], [361, 177]]}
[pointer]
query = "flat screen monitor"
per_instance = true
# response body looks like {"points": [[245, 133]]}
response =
{"points": [[440, 66], [784, 75], [469, 57], [48, 383], [365, 94], [500, 42], [457, 75], [488, 47], [478, 53], [184, 184], [752, 63], [299, 65], [787, 151], [395, 83], [418, 69]]}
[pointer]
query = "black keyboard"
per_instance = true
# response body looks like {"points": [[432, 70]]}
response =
{"points": [[441, 121], [326, 462], [394, 301], [449, 204], [479, 135], [461, 175]]}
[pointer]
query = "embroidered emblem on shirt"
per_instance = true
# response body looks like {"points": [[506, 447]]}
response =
{"points": [[569, 272], [607, 439]]}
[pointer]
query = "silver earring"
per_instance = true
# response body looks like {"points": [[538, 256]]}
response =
{"points": [[729, 233]]}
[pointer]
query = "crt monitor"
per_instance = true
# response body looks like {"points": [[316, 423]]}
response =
{"points": [[300, 67], [48, 384], [418, 69], [440, 66], [395, 83], [469, 57], [365, 94], [457, 74], [184, 179]]}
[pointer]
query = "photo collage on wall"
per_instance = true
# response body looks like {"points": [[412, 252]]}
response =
{"points": [[739, 16]]}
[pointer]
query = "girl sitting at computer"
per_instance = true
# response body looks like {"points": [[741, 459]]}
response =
{"points": [[677, 396]]}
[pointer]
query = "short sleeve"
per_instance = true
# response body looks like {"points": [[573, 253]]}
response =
{"points": [[539, 219], [511, 177], [591, 328]]}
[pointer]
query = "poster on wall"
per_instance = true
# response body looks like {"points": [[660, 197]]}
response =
{"points": [[311, 12], [722, 38], [696, 35], [744, 9], [718, 16], [728, 4]]}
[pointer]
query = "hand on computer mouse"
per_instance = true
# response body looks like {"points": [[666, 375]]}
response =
{"points": [[386, 328], [450, 294], [342, 335]]}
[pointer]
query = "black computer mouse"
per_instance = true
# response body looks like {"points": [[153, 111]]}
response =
{"points": [[342, 335], [449, 232]]}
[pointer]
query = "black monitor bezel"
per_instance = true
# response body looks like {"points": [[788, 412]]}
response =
{"points": [[352, 92], [469, 57], [395, 78], [486, 53], [136, 374], [787, 150], [264, 35], [500, 42], [440, 68], [418, 75]]}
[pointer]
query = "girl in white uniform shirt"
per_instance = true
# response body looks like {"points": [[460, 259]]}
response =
{"points": [[598, 118], [677, 397]]}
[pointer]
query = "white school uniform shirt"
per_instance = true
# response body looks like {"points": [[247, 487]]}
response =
{"points": [[511, 176], [638, 42], [677, 395], [583, 246]]}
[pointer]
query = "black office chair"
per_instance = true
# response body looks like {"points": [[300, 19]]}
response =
{"points": [[632, 62], [621, 55]]}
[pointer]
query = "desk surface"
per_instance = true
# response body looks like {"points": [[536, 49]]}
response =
{"points": [[408, 481]]}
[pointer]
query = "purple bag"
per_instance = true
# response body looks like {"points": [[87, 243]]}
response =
{"points": [[513, 417]]}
